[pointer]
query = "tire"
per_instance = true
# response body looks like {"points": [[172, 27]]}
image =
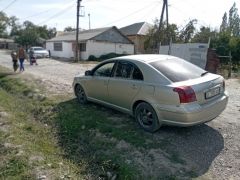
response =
{"points": [[80, 94], [147, 117]]}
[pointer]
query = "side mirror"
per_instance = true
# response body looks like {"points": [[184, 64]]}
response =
{"points": [[88, 73]]}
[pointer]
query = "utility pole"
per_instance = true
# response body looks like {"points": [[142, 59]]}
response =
{"points": [[77, 57], [165, 6], [89, 22]]}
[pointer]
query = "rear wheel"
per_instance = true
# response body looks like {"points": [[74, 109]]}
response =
{"points": [[80, 93], [147, 117]]}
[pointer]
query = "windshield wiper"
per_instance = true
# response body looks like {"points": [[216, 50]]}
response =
{"points": [[204, 74]]}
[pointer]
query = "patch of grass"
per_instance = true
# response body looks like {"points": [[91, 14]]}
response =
{"points": [[80, 138], [14, 167]]}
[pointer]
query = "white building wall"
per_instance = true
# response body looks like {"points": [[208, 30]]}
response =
{"points": [[99, 48], [92, 48], [66, 52]]}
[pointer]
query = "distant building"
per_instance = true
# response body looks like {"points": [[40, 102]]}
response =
{"points": [[95, 42], [137, 32], [7, 44]]}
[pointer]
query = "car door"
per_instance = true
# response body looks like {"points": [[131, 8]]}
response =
{"points": [[97, 85], [125, 84]]}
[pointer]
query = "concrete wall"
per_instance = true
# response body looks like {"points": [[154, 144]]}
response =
{"points": [[195, 53], [97, 48], [66, 52]]}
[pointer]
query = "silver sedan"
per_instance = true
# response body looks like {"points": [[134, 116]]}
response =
{"points": [[155, 89]]}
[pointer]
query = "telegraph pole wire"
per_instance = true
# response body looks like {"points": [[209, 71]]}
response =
{"points": [[10, 4]]}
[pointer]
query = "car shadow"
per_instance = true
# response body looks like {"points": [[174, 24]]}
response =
{"points": [[198, 145]]}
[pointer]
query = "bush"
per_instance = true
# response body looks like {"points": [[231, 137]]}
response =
{"points": [[92, 58]]}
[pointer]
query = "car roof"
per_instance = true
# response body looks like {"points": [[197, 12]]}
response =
{"points": [[146, 58]]}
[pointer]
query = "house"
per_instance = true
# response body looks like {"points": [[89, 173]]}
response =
{"points": [[7, 44], [95, 42], [136, 33]]}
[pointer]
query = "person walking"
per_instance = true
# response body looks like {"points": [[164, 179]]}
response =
{"points": [[14, 60], [21, 57]]}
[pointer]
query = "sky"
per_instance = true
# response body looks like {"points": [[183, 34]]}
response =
{"points": [[106, 13]]}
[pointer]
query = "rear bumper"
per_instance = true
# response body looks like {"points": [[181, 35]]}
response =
{"points": [[192, 114]]}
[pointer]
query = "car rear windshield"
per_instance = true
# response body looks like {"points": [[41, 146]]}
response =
{"points": [[177, 70]]}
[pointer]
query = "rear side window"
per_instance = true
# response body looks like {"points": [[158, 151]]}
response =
{"points": [[178, 69], [128, 70]]}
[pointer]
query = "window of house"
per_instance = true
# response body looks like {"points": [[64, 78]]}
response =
{"points": [[57, 46], [82, 47]]}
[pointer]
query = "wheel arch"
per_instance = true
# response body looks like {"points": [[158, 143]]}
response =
{"points": [[135, 104]]}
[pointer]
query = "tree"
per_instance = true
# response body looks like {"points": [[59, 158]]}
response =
{"points": [[203, 35], [224, 25], [52, 32], [3, 24], [162, 36], [69, 29], [187, 33], [14, 25], [234, 21]]}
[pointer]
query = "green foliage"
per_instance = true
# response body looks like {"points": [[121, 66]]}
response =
{"points": [[3, 24], [203, 35], [163, 36], [187, 33], [69, 29], [92, 58], [110, 55]]}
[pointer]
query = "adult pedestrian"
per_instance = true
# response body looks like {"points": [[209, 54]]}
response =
{"points": [[21, 57]]}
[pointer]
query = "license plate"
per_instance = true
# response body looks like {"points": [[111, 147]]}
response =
{"points": [[212, 92]]}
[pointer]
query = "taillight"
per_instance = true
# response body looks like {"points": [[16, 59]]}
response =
{"points": [[186, 94]]}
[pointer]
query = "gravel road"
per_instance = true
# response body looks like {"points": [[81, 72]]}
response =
{"points": [[58, 75], [213, 149]]}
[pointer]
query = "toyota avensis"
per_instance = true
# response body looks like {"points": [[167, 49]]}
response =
{"points": [[155, 89]]}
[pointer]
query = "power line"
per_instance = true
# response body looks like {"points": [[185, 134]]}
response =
{"points": [[58, 14], [135, 12], [36, 14], [151, 11], [10, 4]]}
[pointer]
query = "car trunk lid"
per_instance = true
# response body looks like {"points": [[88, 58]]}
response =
{"points": [[206, 88]]}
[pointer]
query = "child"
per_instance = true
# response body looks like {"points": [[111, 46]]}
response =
{"points": [[14, 60]]}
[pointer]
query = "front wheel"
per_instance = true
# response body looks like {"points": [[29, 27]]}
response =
{"points": [[80, 93], [147, 117]]}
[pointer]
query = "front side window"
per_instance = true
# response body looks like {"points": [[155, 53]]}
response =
{"points": [[104, 70]]}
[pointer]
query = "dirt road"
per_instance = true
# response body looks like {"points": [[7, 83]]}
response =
{"points": [[212, 149]]}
